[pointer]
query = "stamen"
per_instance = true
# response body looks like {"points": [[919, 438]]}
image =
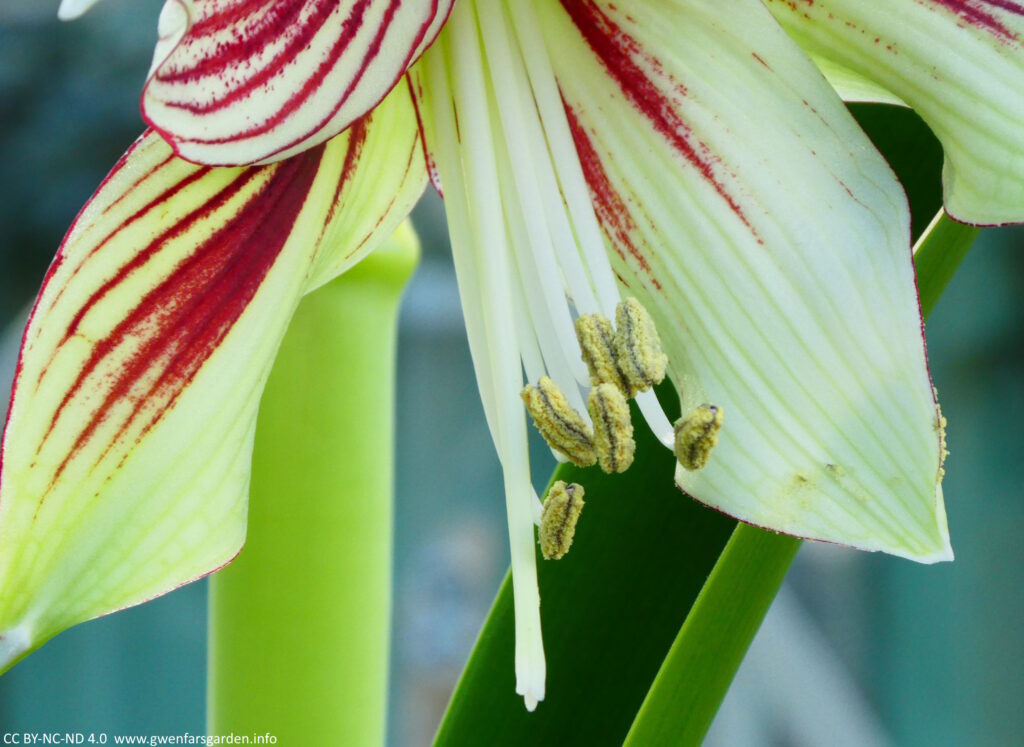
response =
{"points": [[613, 430], [516, 117], [562, 427], [562, 149], [470, 174], [558, 519], [639, 354], [597, 343], [696, 436]]}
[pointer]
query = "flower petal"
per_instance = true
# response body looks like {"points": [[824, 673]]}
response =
{"points": [[751, 215], [69, 10], [235, 82], [852, 87], [126, 453], [959, 63], [382, 178]]}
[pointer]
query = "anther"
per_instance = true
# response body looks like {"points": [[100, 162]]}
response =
{"points": [[562, 427], [639, 356], [941, 427], [597, 343], [558, 519], [696, 436], [613, 430]]}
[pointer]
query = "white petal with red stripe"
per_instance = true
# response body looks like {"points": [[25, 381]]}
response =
{"points": [[237, 81], [126, 452], [959, 63], [751, 215]]}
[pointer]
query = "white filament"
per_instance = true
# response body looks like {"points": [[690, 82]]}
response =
{"points": [[563, 153], [529, 253]]}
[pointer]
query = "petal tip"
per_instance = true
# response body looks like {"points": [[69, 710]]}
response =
{"points": [[14, 644], [69, 10], [941, 552]]}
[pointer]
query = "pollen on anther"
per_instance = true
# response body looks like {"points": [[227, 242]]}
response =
{"points": [[562, 427], [558, 519], [638, 348], [941, 428], [696, 436], [613, 429], [596, 336]]}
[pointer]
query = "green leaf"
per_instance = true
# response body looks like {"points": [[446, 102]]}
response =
{"points": [[641, 554], [714, 639], [937, 256]]}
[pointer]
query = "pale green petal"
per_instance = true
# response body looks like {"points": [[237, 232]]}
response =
{"points": [[959, 64], [771, 241], [852, 87], [387, 152], [126, 453]]}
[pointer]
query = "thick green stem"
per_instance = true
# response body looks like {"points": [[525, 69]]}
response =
{"points": [[699, 667], [299, 623]]}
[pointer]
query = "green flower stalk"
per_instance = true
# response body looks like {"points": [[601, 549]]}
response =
{"points": [[688, 154], [300, 622]]}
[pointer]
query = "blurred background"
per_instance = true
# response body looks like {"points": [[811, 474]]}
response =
{"points": [[858, 649]]}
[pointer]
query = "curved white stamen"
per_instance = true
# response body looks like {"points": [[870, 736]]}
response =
{"points": [[659, 423], [515, 125], [574, 187], [563, 153], [529, 351], [458, 214], [578, 283], [480, 169], [525, 117], [528, 253], [558, 359]]}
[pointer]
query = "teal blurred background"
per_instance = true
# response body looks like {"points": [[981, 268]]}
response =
{"points": [[858, 650]]}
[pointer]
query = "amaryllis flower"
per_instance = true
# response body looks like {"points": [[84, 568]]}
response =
{"points": [[688, 154]]}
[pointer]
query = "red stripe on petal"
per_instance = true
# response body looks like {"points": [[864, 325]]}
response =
{"points": [[619, 53], [117, 166], [609, 207], [385, 214], [230, 58], [979, 13], [138, 261], [55, 266], [237, 67], [357, 138], [416, 94], [140, 258], [264, 27], [185, 318]]}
